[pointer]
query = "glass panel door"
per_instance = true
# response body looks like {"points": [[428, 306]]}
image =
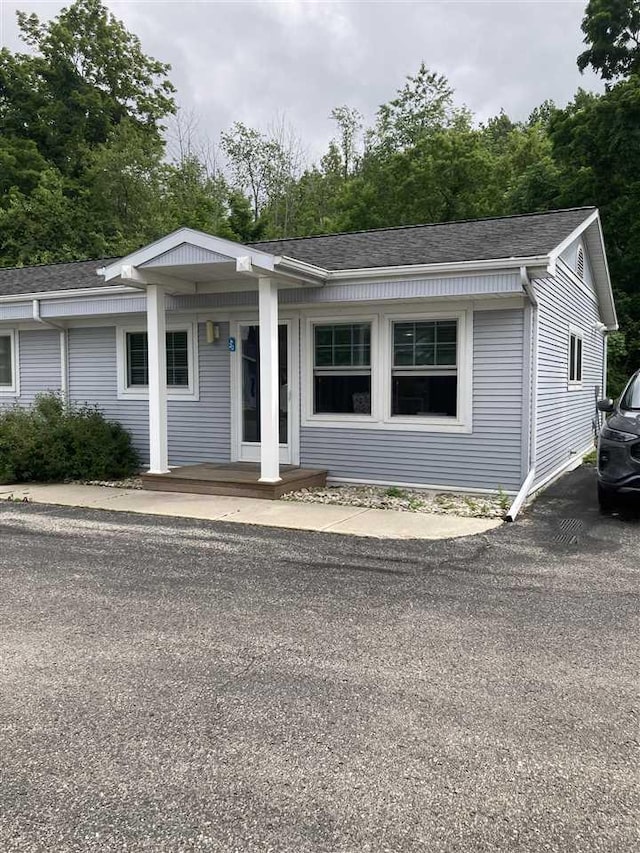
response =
{"points": [[250, 388]]}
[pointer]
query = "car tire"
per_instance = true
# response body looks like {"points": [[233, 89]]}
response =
{"points": [[606, 499]]}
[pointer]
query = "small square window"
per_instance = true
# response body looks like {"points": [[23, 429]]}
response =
{"points": [[177, 353]]}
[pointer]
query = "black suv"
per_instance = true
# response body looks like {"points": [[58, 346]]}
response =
{"points": [[619, 446]]}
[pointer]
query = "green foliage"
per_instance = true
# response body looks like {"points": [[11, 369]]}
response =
{"points": [[84, 74], [395, 492], [41, 226], [422, 106], [617, 358], [503, 499], [349, 123], [55, 441], [612, 33], [596, 146]]}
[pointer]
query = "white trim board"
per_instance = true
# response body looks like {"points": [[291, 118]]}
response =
{"points": [[189, 393], [13, 389]]}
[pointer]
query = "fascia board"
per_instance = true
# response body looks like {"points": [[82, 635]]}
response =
{"points": [[197, 238], [559, 249], [67, 294], [462, 267]]}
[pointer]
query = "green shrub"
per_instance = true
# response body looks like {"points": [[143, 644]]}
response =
{"points": [[53, 440]]}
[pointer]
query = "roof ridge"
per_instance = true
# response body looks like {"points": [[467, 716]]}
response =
{"points": [[423, 225]]}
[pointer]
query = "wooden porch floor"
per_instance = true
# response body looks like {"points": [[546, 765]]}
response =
{"points": [[239, 479]]}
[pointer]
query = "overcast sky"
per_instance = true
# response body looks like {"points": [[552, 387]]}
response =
{"points": [[250, 60]]}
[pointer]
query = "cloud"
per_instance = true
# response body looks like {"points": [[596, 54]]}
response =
{"points": [[253, 61]]}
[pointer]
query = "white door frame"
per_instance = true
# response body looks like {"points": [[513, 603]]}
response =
{"points": [[249, 451]]}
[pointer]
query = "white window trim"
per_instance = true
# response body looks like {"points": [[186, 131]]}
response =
{"points": [[13, 389], [464, 363], [309, 417], [381, 358], [190, 392], [574, 384]]}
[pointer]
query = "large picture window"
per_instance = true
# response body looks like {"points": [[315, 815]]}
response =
{"points": [[138, 359], [424, 371], [342, 368], [6, 362]]}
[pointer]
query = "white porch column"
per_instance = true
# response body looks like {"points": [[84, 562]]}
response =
{"points": [[157, 356], [269, 387]]}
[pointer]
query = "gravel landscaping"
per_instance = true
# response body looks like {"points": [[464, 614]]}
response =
{"points": [[378, 497], [406, 500], [126, 483]]}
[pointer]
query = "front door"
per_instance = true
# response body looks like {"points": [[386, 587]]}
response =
{"points": [[247, 391]]}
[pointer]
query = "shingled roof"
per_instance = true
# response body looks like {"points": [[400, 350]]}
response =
{"points": [[45, 278], [528, 235], [523, 236]]}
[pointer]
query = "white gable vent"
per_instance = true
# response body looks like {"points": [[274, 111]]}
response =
{"points": [[580, 262]]}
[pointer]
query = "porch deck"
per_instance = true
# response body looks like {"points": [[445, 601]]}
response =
{"points": [[239, 479]]}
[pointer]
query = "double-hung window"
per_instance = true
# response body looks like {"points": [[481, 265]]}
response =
{"points": [[7, 363], [342, 368], [575, 357], [177, 359], [424, 368], [133, 360]]}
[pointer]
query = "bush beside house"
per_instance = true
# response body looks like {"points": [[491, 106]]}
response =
{"points": [[55, 441]]}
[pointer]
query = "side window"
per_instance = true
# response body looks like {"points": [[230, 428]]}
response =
{"points": [[575, 358], [6, 362]]}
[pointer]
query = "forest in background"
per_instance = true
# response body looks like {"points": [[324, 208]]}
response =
{"points": [[96, 159]]}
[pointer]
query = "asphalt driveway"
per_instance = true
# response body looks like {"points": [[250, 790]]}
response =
{"points": [[177, 686]]}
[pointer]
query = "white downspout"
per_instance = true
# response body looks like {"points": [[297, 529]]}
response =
{"points": [[64, 347], [525, 488]]}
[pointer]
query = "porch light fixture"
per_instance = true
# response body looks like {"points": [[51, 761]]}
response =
{"points": [[213, 332]]}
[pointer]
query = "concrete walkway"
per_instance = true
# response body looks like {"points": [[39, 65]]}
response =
{"points": [[380, 523]]}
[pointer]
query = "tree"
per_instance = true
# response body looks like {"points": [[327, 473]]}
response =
{"points": [[266, 166], [349, 121], [422, 106], [612, 33], [86, 74], [249, 155], [21, 165], [42, 226], [122, 189], [596, 141]]}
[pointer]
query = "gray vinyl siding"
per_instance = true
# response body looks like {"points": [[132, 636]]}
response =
{"points": [[565, 417], [199, 431], [39, 361], [488, 458]]}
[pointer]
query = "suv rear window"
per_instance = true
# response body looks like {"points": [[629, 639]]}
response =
{"points": [[631, 398]]}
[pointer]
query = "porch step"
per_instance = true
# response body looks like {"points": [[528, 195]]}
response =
{"points": [[239, 479]]}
